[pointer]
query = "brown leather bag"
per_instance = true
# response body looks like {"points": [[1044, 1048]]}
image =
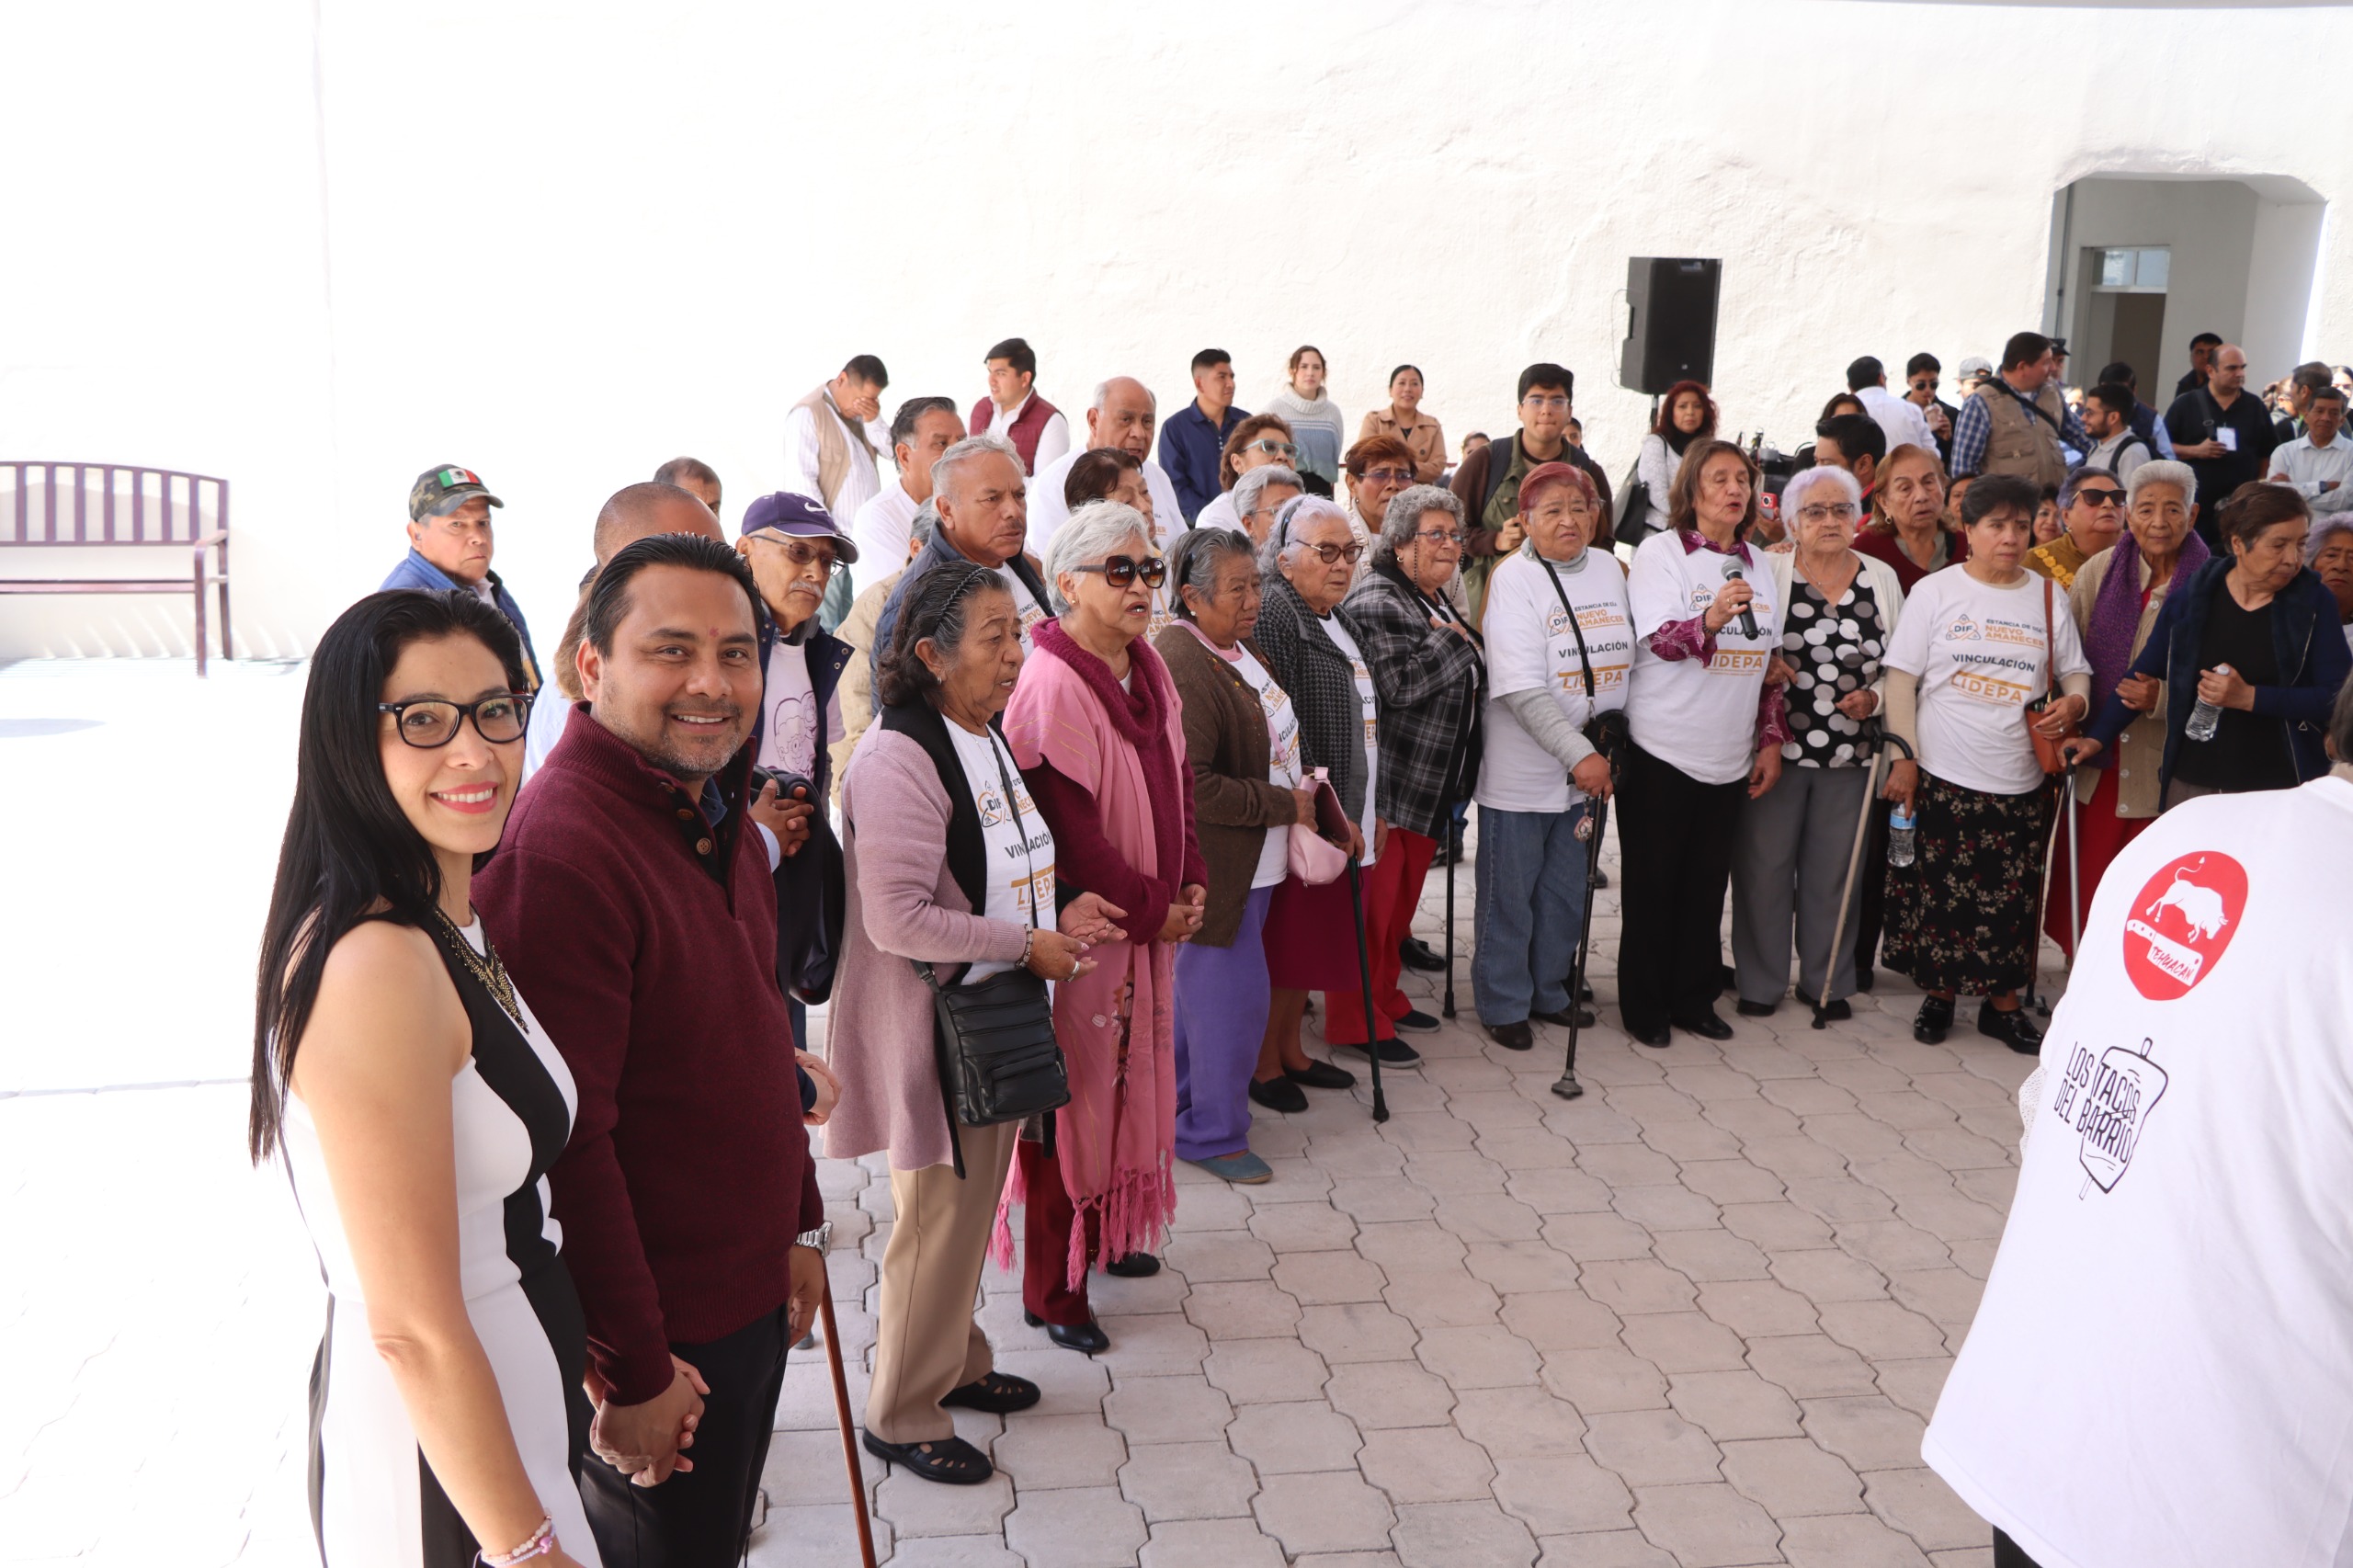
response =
{"points": [[2046, 750]]}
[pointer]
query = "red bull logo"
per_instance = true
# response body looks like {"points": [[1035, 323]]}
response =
{"points": [[2182, 922]]}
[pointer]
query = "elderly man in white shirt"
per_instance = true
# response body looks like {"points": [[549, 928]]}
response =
{"points": [[2320, 462], [1902, 419], [1122, 415], [922, 429]]}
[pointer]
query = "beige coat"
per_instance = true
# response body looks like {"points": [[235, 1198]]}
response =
{"points": [[2142, 746], [1425, 438]]}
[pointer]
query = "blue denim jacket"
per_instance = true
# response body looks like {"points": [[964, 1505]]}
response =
{"points": [[420, 573]]}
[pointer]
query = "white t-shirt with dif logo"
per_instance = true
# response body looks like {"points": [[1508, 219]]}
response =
{"points": [[1020, 871], [1282, 756], [1532, 647], [1363, 673], [1700, 715], [1025, 607], [1981, 655], [2160, 1374]]}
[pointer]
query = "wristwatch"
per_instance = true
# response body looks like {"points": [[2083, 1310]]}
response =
{"points": [[821, 1238]]}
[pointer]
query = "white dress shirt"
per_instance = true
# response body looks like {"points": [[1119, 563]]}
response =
{"points": [[2308, 468], [881, 529], [1902, 419], [1049, 511], [801, 464], [1052, 441]]}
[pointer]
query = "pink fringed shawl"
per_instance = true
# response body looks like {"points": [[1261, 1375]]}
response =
{"points": [[1116, 1140]]}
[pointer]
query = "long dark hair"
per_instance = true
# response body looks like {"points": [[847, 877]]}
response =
{"points": [[350, 853], [1663, 427]]}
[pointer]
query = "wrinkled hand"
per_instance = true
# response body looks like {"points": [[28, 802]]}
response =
{"points": [[1860, 704], [1592, 776], [2082, 749], [829, 1088], [1902, 783], [1184, 917], [1441, 624], [1089, 919], [644, 1442], [2140, 692], [1302, 806], [1356, 841], [1053, 956], [810, 1284], [2052, 722], [788, 819], [1777, 671], [1731, 600], [1380, 837], [1765, 771], [1509, 537], [2221, 686]]}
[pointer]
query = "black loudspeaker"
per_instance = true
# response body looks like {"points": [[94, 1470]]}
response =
{"points": [[1671, 327]]}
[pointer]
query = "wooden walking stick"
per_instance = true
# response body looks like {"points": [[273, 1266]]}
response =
{"points": [[849, 1436]]}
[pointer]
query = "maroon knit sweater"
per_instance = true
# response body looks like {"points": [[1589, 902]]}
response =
{"points": [[646, 943]]}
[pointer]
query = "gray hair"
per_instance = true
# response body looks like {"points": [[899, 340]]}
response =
{"points": [[1103, 393], [927, 520], [2162, 471], [1282, 546], [1404, 518], [1093, 531], [964, 452], [1806, 481], [1198, 557], [1249, 486]]}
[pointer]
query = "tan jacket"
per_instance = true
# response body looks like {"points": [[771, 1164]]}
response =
{"points": [[2142, 746], [1425, 438], [833, 452], [2018, 442]]}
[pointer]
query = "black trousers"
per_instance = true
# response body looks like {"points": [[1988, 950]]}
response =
{"points": [[2007, 1555], [701, 1517], [1675, 836]]}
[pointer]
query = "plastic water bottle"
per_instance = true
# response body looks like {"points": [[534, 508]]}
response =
{"points": [[1902, 841], [2206, 717]]}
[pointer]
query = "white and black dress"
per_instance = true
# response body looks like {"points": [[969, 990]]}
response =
{"points": [[373, 1498]]}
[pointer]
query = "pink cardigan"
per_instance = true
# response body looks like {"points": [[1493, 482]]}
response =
{"points": [[904, 903]]}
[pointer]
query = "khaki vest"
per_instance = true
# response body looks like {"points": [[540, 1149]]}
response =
{"points": [[833, 445], [2018, 442]]}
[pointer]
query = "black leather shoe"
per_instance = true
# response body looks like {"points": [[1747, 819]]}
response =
{"points": [[1278, 1093], [1749, 1009], [1600, 878], [1512, 1037], [1393, 1053], [1088, 1339], [1416, 1021], [1583, 1019], [1864, 978], [1707, 1025], [1935, 1018], [1320, 1075], [1660, 1036], [1584, 993], [1133, 1266], [2012, 1029], [1414, 953], [1837, 1012]]}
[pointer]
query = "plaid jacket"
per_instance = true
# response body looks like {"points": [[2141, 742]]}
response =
{"points": [[1309, 665], [1431, 684]]}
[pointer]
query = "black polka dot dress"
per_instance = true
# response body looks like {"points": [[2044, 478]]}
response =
{"points": [[1834, 649]]}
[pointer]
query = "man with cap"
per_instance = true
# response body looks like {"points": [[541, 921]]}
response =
{"points": [[450, 547], [1974, 370]]}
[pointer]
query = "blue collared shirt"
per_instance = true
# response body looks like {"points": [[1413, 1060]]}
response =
{"points": [[1190, 448]]}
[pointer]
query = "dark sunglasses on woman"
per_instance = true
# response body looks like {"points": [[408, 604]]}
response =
{"points": [[1120, 570]]}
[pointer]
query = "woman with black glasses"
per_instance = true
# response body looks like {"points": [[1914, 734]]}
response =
{"points": [[418, 1104]]}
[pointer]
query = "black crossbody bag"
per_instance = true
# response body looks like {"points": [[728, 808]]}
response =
{"points": [[998, 1059], [1606, 733]]}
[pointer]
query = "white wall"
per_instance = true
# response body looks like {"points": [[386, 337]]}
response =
{"points": [[559, 244]]}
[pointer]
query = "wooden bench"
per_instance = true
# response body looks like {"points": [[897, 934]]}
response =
{"points": [[118, 506]]}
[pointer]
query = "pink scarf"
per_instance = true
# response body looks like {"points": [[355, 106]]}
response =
{"points": [[1116, 1140]]}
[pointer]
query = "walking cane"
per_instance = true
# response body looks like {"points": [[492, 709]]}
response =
{"points": [[1453, 854], [1595, 820], [1873, 735], [850, 1439], [1364, 973], [2034, 996], [2075, 876]]}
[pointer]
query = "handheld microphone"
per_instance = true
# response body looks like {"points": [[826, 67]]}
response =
{"points": [[1747, 616]]}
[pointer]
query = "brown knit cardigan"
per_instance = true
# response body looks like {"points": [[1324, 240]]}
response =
{"points": [[1226, 740]]}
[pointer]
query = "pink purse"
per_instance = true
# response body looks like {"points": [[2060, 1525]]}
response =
{"points": [[1315, 859]]}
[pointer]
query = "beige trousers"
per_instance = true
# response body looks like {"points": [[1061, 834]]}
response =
{"points": [[927, 1342]]}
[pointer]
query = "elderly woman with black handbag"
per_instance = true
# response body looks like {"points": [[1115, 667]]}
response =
{"points": [[1980, 646], [947, 884], [1431, 683]]}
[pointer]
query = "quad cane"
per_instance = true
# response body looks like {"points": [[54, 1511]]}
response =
{"points": [[1874, 734], [849, 1437], [1364, 973]]}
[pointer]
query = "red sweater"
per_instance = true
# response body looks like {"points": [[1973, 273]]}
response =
{"points": [[646, 942]]}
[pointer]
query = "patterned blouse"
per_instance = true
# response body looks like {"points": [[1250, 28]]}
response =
{"points": [[1833, 650]]}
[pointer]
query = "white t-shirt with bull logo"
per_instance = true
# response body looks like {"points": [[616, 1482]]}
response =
{"points": [[1700, 715], [1532, 647], [2160, 1374], [1981, 655]]}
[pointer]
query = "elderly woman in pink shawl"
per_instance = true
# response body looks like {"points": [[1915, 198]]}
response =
{"points": [[1096, 727]]}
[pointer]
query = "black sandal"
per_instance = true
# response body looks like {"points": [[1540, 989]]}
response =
{"points": [[950, 1460], [999, 1393]]}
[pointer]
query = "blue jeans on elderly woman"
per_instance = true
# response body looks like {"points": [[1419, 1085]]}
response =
{"points": [[1530, 908]]}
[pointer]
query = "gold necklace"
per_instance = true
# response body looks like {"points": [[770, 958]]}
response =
{"points": [[483, 966]]}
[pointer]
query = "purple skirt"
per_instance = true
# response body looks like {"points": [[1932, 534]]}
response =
{"points": [[1311, 936]]}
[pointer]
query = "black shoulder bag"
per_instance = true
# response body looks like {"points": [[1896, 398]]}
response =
{"points": [[998, 1059], [1606, 733]]}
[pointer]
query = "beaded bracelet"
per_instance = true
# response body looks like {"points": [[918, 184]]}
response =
{"points": [[1029, 940], [540, 1544]]}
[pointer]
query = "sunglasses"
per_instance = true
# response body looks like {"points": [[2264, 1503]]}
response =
{"points": [[431, 722], [1275, 449], [1122, 571], [801, 554], [2100, 498]]}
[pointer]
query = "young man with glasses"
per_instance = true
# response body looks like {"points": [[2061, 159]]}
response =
{"points": [[2091, 506]]}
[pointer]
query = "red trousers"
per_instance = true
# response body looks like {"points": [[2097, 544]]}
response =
{"points": [[1046, 1220], [2105, 837], [1392, 889]]}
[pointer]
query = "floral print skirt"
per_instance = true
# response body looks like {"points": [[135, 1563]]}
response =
{"points": [[1961, 916]]}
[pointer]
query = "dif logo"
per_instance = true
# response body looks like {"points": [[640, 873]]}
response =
{"points": [[2181, 923]]}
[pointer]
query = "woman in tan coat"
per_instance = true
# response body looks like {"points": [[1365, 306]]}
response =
{"points": [[1404, 421]]}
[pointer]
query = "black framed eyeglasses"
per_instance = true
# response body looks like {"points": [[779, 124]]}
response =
{"points": [[1388, 475], [1120, 571], [1330, 553], [428, 723]]}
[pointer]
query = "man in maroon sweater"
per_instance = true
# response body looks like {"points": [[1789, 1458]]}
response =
{"points": [[630, 899]]}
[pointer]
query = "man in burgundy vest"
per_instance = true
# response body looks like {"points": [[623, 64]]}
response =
{"points": [[1036, 427]]}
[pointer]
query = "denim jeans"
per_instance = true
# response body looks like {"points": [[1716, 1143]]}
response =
{"points": [[1530, 906]]}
